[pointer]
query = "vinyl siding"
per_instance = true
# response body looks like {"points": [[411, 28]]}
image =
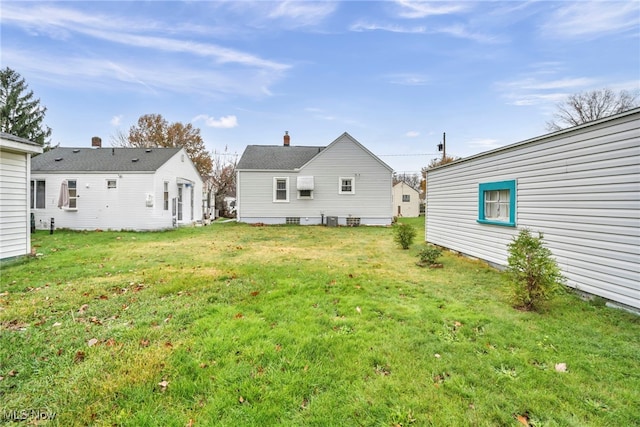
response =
{"points": [[14, 199], [581, 188], [343, 158], [123, 207]]}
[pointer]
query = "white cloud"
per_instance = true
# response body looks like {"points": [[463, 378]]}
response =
{"points": [[299, 13], [412, 134], [408, 79], [116, 120], [421, 9], [392, 28], [225, 122], [595, 18]]}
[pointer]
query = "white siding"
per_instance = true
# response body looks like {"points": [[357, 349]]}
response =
{"points": [[124, 207], [407, 209], [581, 188], [14, 196], [343, 158]]}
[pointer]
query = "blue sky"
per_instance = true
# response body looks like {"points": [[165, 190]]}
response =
{"points": [[394, 74]]}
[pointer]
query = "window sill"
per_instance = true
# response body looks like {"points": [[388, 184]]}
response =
{"points": [[70, 209], [493, 222]]}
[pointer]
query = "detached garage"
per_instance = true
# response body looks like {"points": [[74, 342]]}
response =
{"points": [[15, 168], [580, 187]]}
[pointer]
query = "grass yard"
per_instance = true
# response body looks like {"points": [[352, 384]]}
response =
{"points": [[287, 325]]}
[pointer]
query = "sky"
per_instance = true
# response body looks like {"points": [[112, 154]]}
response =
{"points": [[396, 75]]}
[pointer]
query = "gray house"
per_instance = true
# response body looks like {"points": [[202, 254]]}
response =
{"points": [[15, 194], [340, 184], [579, 186]]}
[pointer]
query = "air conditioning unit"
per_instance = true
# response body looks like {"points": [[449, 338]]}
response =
{"points": [[332, 221]]}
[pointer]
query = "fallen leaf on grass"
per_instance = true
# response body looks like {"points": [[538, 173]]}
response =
{"points": [[144, 342], [238, 316], [561, 367], [358, 309], [523, 419], [92, 342], [191, 423], [163, 385], [83, 308], [241, 399], [57, 324], [168, 318], [12, 373], [79, 357]]}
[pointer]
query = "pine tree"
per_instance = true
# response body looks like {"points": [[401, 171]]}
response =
{"points": [[20, 113]]}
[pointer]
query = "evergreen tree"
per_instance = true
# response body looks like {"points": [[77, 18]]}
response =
{"points": [[20, 113]]}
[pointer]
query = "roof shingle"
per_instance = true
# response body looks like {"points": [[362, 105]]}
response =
{"points": [[276, 157], [63, 159]]}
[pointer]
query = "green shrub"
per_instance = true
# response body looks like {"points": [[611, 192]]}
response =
{"points": [[404, 234], [429, 255], [533, 272]]}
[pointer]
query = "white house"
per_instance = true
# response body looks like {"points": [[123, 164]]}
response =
{"points": [[115, 188], [406, 200], [580, 187], [340, 184], [15, 154]]}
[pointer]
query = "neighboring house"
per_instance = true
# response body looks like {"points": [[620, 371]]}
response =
{"points": [[580, 187], [15, 193], [406, 200], [340, 184], [115, 188]]}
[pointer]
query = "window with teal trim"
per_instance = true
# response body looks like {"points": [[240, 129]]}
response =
{"points": [[497, 203]]}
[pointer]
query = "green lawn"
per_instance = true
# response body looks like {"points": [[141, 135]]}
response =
{"points": [[286, 325]]}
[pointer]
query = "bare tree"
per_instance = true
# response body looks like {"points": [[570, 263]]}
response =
{"points": [[412, 179], [587, 106], [222, 181]]}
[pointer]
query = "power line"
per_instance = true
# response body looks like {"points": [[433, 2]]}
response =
{"points": [[408, 155]]}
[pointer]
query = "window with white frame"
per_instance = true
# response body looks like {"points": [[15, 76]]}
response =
{"points": [[497, 203], [281, 189], [38, 196], [166, 196], [111, 183], [72, 188], [346, 185]]}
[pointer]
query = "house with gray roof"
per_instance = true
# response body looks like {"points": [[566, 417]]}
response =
{"points": [[342, 183], [15, 155], [115, 188]]}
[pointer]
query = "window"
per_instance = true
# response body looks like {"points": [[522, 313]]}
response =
{"points": [[305, 194], [497, 203], [406, 197], [166, 196], [73, 193], [111, 183], [347, 185], [280, 189], [37, 194], [293, 220]]}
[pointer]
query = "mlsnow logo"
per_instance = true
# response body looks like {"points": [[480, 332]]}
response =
{"points": [[30, 414]]}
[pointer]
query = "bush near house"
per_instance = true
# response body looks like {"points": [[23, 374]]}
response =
{"points": [[236, 325]]}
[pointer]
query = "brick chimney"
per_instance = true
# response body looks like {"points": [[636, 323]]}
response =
{"points": [[287, 138], [96, 142]]}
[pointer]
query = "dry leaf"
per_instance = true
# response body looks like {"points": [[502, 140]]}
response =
{"points": [[358, 309], [12, 373], [92, 342], [57, 324], [83, 308], [110, 342], [561, 367], [191, 423], [238, 316], [437, 356], [163, 385], [79, 357], [523, 419], [144, 342], [241, 399]]}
